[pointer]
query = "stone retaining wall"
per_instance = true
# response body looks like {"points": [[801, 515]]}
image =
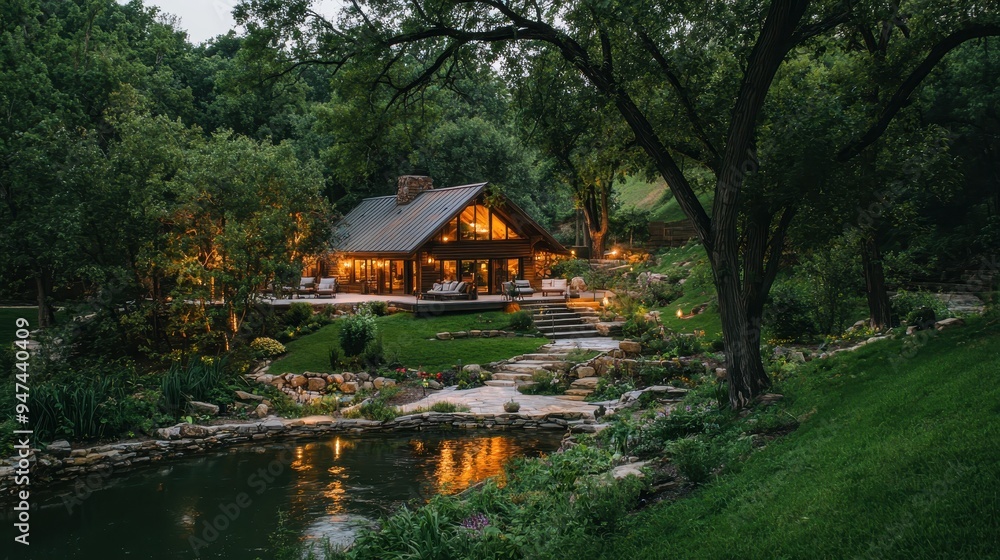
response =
{"points": [[58, 464]]}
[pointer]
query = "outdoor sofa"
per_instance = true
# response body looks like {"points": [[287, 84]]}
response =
{"points": [[451, 290], [554, 286]]}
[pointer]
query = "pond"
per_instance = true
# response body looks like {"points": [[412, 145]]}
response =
{"points": [[225, 505]]}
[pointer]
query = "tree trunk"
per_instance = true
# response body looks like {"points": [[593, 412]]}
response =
{"points": [[880, 315], [43, 289]]}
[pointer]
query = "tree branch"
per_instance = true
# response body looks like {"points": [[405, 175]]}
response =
{"points": [[899, 99]]}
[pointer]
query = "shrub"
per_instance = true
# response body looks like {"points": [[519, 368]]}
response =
{"points": [[905, 304], [202, 379], [376, 308], [264, 347], [789, 313], [694, 458], [334, 355], [445, 406], [298, 314], [658, 294], [922, 318], [571, 268], [521, 321], [374, 354], [377, 409], [357, 332]]}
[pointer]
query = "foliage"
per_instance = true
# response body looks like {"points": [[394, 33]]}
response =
{"points": [[543, 382], [789, 316], [357, 332], [377, 308], [570, 268], [906, 306], [298, 314], [202, 379], [266, 347], [522, 321]]}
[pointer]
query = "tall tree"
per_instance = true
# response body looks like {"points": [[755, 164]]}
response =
{"points": [[689, 78]]}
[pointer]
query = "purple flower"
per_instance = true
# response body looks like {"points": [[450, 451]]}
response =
{"points": [[687, 408], [476, 522]]}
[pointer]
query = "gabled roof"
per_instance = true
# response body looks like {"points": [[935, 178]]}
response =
{"points": [[379, 225]]}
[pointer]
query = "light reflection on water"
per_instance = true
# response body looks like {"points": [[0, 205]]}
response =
{"points": [[329, 488]]}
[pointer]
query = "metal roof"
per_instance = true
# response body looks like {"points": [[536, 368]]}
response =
{"points": [[379, 225]]}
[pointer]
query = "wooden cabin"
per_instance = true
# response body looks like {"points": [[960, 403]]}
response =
{"points": [[405, 243]]}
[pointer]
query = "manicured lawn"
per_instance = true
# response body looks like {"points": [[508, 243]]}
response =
{"points": [[412, 341], [637, 193], [888, 462]]}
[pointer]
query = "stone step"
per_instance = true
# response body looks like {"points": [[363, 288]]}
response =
{"points": [[576, 334], [582, 393], [500, 383], [572, 397], [511, 376], [541, 357], [559, 331], [584, 383], [556, 321]]}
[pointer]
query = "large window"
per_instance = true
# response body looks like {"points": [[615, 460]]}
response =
{"points": [[477, 223]]}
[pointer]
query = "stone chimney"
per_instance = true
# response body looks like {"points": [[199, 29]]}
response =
{"points": [[409, 186]]}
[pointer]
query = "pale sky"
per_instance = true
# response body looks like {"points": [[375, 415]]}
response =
{"points": [[204, 19]]}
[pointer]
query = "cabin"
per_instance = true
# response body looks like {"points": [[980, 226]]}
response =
{"points": [[404, 243]]}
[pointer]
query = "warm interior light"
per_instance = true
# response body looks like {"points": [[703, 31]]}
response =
{"points": [[446, 238]]}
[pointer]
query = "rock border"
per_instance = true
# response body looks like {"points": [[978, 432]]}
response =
{"points": [[58, 463]]}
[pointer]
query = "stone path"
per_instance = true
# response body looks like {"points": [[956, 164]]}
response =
{"points": [[490, 400]]}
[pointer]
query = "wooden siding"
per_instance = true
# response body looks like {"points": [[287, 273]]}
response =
{"points": [[670, 234], [479, 249]]}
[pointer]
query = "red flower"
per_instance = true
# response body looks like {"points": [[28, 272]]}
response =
{"points": [[439, 376]]}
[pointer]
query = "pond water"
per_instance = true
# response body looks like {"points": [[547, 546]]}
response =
{"points": [[226, 504]]}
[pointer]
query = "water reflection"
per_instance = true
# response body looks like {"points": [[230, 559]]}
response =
{"points": [[328, 488]]}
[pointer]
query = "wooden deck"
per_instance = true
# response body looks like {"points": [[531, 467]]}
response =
{"points": [[423, 307]]}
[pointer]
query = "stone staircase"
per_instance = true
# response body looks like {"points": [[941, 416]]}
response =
{"points": [[518, 371], [559, 320]]}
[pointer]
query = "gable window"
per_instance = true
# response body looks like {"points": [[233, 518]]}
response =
{"points": [[477, 223]]}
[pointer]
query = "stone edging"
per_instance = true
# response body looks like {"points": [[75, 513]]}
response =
{"points": [[59, 464], [474, 333]]}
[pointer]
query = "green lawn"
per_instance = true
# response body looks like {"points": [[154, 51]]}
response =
{"points": [[636, 192], [889, 462], [10, 314], [708, 321], [412, 340]]}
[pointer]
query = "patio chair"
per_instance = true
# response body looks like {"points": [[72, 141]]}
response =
{"points": [[327, 287], [307, 285]]}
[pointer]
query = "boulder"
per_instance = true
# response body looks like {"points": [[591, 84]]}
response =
{"points": [[586, 371], [434, 384], [460, 334], [316, 384], [797, 357], [389, 383], [297, 381], [362, 376], [244, 396], [474, 333], [443, 336], [948, 323], [265, 378], [198, 407], [378, 382], [609, 328], [911, 329], [630, 347], [584, 383], [193, 431], [349, 387], [348, 376], [60, 448], [337, 379], [472, 368], [367, 385], [720, 373]]}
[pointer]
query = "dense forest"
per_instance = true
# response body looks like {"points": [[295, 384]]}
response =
{"points": [[853, 139]]}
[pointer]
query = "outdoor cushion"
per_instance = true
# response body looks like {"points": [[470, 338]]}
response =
{"points": [[437, 287]]}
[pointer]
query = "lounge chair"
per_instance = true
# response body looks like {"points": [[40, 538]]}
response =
{"points": [[554, 286], [517, 289], [307, 285], [327, 287]]}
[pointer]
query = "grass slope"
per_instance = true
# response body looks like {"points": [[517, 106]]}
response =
{"points": [[410, 340], [694, 295], [889, 462], [635, 192]]}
